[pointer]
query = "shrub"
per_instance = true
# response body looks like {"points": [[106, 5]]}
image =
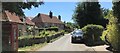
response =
{"points": [[29, 40], [92, 33], [104, 34], [113, 35], [53, 29]]}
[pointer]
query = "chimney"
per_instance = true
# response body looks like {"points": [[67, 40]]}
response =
{"points": [[59, 17], [50, 14], [38, 15]]}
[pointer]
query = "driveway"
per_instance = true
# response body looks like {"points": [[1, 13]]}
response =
{"points": [[64, 44]]}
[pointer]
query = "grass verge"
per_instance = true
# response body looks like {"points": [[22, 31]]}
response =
{"points": [[36, 46], [32, 48]]}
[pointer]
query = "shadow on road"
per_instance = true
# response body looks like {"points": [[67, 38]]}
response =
{"points": [[112, 50], [89, 45], [94, 45], [109, 48], [78, 43]]}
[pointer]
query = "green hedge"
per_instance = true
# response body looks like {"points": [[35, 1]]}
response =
{"points": [[113, 36], [49, 29], [92, 33], [52, 28], [30, 40]]}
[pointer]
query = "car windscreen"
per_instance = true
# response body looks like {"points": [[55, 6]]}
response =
{"points": [[76, 33]]}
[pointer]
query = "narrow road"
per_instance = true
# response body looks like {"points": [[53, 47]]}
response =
{"points": [[64, 44]]}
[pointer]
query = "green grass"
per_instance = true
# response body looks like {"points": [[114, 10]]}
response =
{"points": [[32, 48]]}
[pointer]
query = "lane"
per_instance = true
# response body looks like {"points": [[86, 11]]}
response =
{"points": [[64, 44]]}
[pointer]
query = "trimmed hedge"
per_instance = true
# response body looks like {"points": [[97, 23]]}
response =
{"points": [[36, 40], [52, 28], [49, 29], [92, 34]]}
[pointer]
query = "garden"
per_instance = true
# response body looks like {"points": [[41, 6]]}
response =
{"points": [[33, 42]]}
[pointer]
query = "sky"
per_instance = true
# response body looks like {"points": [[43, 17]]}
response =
{"points": [[65, 9]]}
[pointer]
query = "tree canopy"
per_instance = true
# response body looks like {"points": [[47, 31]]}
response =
{"points": [[18, 6], [114, 27], [88, 13]]}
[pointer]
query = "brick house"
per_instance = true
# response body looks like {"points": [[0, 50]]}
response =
{"points": [[23, 22], [10, 26], [29, 25], [13, 18], [29, 22], [45, 21]]}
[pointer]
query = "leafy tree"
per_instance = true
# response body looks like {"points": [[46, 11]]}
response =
{"points": [[18, 6], [114, 27], [72, 25], [105, 11], [88, 13], [109, 14], [69, 24], [79, 15]]}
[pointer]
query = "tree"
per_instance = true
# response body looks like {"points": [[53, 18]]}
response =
{"points": [[105, 11], [18, 6], [79, 16], [88, 13], [109, 14], [113, 28]]}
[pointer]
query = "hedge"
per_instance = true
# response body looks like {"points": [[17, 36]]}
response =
{"points": [[28, 41], [49, 29], [92, 33]]}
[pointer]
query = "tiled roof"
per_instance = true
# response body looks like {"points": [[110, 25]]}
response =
{"points": [[45, 18], [28, 21], [11, 17]]}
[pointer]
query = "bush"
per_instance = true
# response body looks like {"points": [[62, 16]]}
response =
{"points": [[29, 40], [104, 34], [52, 29], [92, 33], [113, 35]]}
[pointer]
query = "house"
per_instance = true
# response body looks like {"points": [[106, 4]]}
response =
{"points": [[30, 26], [29, 22], [13, 18], [22, 22], [45, 21], [10, 17], [10, 26]]}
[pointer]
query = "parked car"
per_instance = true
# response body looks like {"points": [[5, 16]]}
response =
{"points": [[77, 36]]}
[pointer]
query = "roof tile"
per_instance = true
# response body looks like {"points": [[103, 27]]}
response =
{"points": [[47, 19], [28, 21], [12, 17]]}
